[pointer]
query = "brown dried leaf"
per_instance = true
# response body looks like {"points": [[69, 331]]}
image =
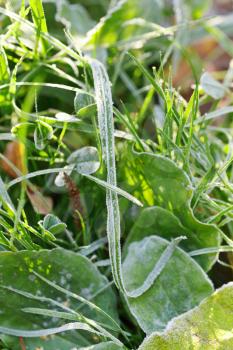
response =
{"points": [[41, 204], [15, 153]]}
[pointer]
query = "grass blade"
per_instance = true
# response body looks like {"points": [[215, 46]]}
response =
{"points": [[106, 126], [38, 15], [104, 184], [45, 332], [105, 121]]}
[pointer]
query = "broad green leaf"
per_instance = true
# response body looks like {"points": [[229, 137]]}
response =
{"points": [[23, 288], [170, 188], [156, 221], [86, 160], [206, 327], [181, 285], [122, 25], [107, 30], [74, 17], [212, 87], [161, 222]]}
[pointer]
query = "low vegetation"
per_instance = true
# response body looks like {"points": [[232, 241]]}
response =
{"points": [[116, 175]]}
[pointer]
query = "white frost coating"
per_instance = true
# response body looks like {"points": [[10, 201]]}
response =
{"points": [[79, 298], [105, 121], [159, 266], [106, 126], [88, 292], [172, 324], [86, 160]]}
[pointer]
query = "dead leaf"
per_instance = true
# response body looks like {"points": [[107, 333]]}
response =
{"points": [[41, 204], [15, 153]]}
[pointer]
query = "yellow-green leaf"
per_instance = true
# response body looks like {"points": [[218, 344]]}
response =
{"points": [[207, 327], [38, 15]]}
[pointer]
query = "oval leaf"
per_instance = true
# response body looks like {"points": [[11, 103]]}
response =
{"points": [[86, 160], [171, 189], [207, 327], [181, 285], [69, 270], [161, 222]]}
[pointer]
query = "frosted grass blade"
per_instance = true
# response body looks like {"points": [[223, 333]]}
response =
{"points": [[104, 184], [77, 297], [105, 121], [45, 332], [106, 126]]}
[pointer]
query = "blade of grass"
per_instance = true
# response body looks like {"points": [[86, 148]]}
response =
{"points": [[106, 126], [45, 332], [40, 23], [77, 297], [76, 315], [104, 184], [153, 82], [52, 40], [211, 250]]}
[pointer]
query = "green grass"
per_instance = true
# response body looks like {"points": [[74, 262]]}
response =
{"points": [[115, 179]]}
